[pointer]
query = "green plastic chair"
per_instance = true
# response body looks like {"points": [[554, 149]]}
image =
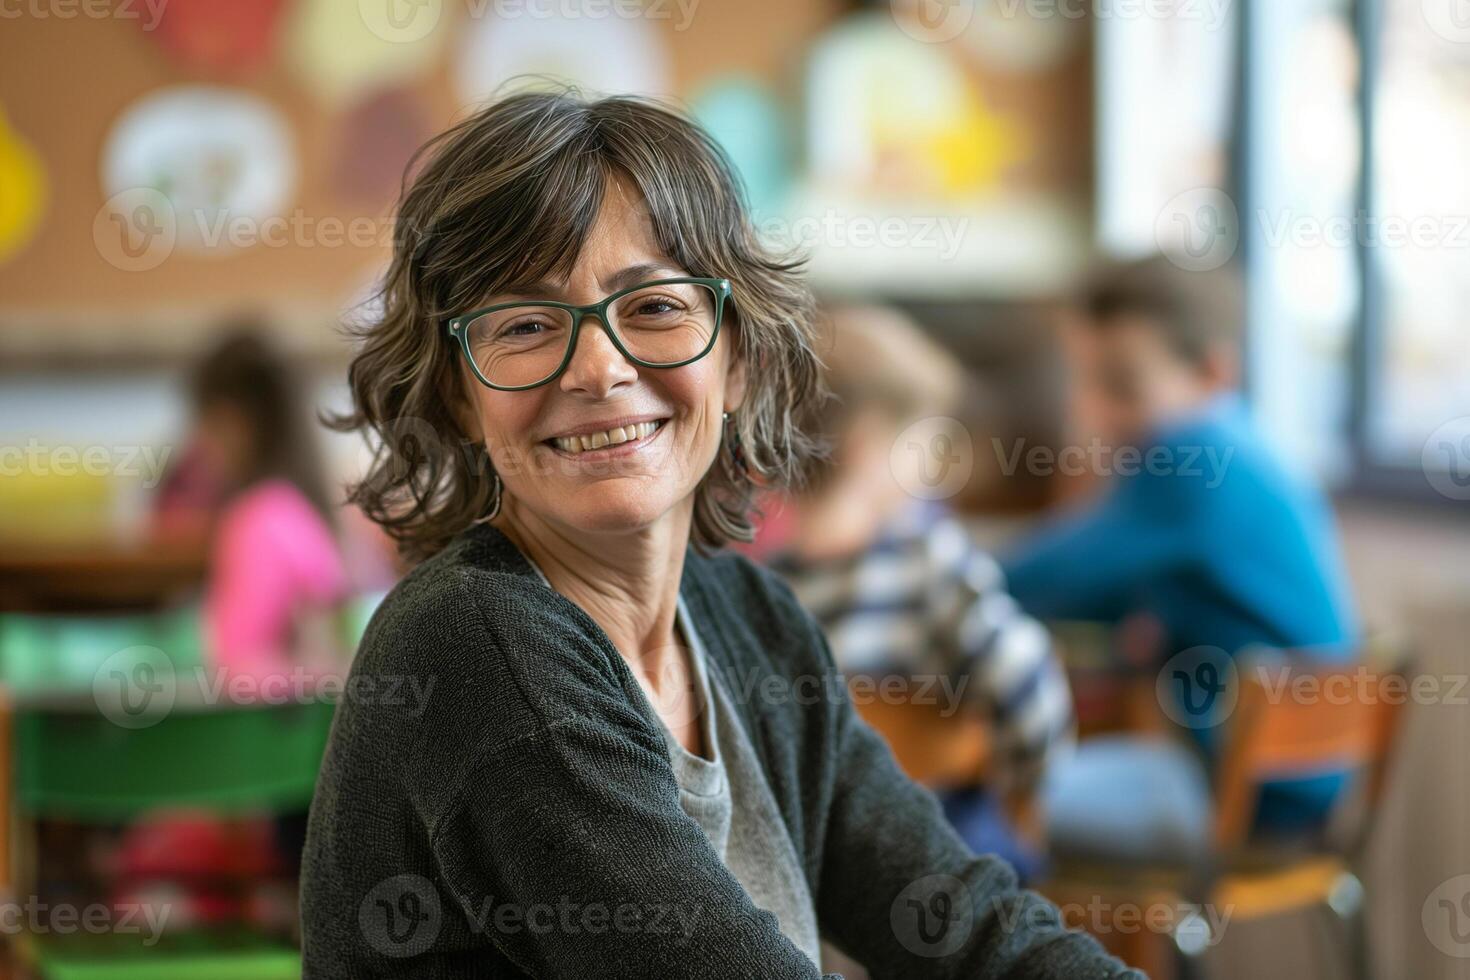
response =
{"points": [[71, 761], [57, 654]]}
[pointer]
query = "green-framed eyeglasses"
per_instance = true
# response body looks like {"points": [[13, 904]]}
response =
{"points": [[663, 323]]}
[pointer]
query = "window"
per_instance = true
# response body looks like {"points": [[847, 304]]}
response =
{"points": [[1414, 378]]}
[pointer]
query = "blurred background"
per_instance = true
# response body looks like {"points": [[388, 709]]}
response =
{"points": [[197, 195]]}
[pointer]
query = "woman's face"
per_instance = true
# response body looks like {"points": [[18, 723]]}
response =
{"points": [[626, 487]]}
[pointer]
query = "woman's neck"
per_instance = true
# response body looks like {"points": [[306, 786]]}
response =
{"points": [[628, 584]]}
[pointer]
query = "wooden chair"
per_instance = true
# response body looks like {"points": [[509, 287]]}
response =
{"points": [[940, 746], [1271, 735]]}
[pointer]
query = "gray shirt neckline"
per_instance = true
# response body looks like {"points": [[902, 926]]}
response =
{"points": [[753, 841]]}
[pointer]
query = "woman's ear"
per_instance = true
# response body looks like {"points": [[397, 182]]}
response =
{"points": [[735, 378], [464, 409]]}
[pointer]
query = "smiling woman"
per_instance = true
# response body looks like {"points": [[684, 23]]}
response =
{"points": [[622, 769]]}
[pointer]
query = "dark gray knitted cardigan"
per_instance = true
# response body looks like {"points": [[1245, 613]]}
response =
{"points": [[497, 801]]}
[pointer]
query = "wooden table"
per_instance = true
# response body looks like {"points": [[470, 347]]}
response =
{"points": [[98, 578], [75, 578]]}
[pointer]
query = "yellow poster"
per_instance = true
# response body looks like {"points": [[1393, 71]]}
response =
{"points": [[22, 191]]}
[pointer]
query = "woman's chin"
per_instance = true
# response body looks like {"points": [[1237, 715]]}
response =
{"points": [[606, 511]]}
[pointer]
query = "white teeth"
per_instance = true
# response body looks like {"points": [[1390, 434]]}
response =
{"points": [[599, 440]]}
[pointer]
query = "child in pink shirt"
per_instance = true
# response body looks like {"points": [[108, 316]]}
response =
{"points": [[276, 577], [274, 562]]}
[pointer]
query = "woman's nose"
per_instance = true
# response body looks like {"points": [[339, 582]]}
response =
{"points": [[597, 366]]}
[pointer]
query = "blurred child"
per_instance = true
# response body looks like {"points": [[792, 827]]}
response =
{"points": [[276, 571], [897, 583], [1199, 534], [249, 482], [1201, 528]]}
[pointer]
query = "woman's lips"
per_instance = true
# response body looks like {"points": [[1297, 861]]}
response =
{"points": [[625, 448]]}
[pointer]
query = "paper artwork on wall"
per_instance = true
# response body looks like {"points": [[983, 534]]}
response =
{"points": [[546, 47], [746, 121], [22, 190], [346, 48], [892, 116], [217, 36], [222, 160], [377, 138]]}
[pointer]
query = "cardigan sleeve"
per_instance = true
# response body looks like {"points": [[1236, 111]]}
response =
{"points": [[903, 894]]}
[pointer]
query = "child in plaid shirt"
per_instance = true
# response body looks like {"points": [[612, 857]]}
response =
{"points": [[897, 582]]}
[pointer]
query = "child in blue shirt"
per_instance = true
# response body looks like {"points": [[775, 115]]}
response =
{"points": [[1199, 530]]}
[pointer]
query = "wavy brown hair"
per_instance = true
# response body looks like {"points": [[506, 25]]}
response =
{"points": [[510, 195]]}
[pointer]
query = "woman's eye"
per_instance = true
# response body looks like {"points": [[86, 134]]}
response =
{"points": [[656, 307], [525, 328]]}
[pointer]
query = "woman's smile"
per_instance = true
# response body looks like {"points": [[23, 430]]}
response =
{"points": [[600, 441]]}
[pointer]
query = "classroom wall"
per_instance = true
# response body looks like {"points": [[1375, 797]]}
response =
{"points": [[63, 81]]}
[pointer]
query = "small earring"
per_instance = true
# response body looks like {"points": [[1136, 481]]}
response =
{"points": [[741, 470], [495, 510]]}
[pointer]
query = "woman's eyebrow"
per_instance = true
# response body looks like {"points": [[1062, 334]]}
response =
{"points": [[634, 274], [629, 276]]}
